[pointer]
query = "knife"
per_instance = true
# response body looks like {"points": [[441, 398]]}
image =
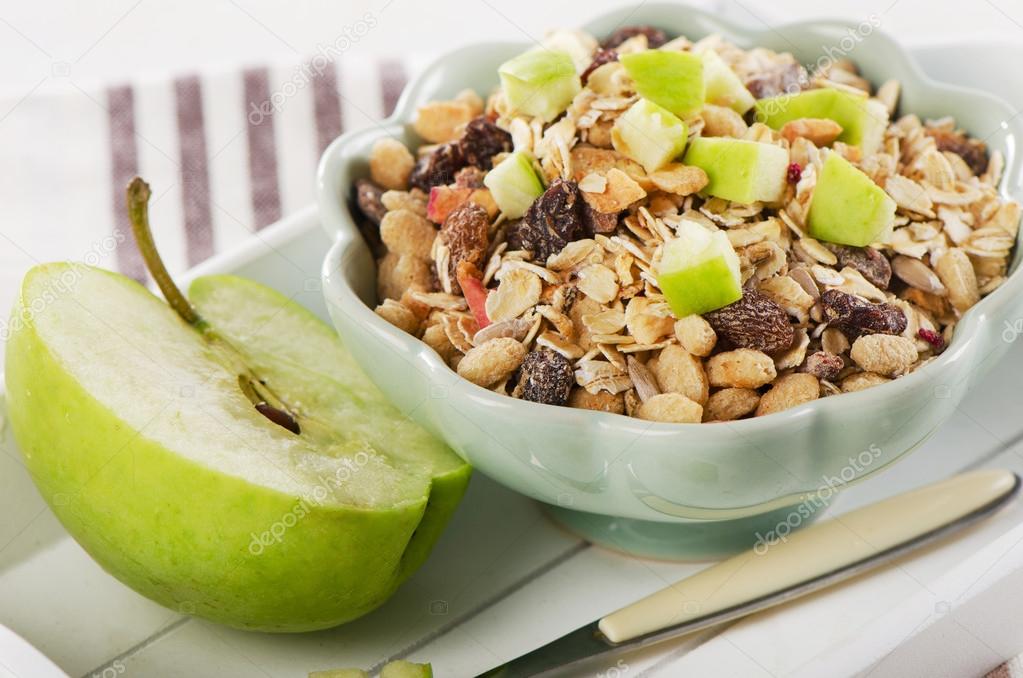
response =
{"points": [[815, 557]]}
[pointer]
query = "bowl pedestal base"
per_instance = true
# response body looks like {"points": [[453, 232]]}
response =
{"points": [[684, 541]]}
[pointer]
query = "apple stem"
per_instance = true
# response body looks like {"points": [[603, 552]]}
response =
{"points": [[138, 195]]}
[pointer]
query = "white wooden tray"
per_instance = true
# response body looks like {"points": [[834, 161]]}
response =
{"points": [[503, 579]]}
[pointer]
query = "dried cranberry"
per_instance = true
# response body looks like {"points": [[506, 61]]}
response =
{"points": [[601, 57], [873, 265], [794, 173], [753, 322], [465, 234], [932, 338], [972, 151], [823, 365], [438, 167], [655, 37], [481, 141], [788, 78], [856, 317], [545, 376], [551, 222]]}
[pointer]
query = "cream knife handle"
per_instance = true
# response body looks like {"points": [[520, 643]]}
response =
{"points": [[831, 550]]}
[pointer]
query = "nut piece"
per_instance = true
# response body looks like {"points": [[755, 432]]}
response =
{"points": [[680, 179], [398, 315], [862, 380], [436, 338], [673, 408], [790, 390], [601, 401], [491, 362], [406, 232], [821, 131], [957, 274], [741, 368], [391, 163], [884, 354], [696, 335], [438, 121], [730, 403], [680, 372]]}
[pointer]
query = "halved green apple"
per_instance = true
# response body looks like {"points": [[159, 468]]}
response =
{"points": [[228, 458], [723, 86], [670, 79], [541, 82], [650, 134], [514, 184], [699, 270], [740, 170], [863, 120], [847, 207]]}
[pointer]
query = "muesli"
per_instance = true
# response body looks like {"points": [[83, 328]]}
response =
{"points": [[682, 231]]}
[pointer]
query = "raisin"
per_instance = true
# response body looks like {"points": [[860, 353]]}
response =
{"points": [[856, 317], [481, 141], [595, 221], [823, 365], [794, 173], [465, 234], [601, 57], [655, 37], [551, 222], [788, 78], [469, 177], [438, 167], [367, 197], [753, 322], [972, 151], [545, 376], [873, 265]]}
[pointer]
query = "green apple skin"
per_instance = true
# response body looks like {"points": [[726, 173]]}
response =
{"points": [[723, 86], [199, 535], [847, 207], [540, 82], [863, 120], [670, 79], [699, 271], [650, 134], [739, 170], [404, 669], [514, 184]]}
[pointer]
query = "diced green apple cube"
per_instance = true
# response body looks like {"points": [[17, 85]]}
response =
{"points": [[514, 185], [649, 134], [739, 170], [670, 79], [847, 207], [723, 86], [540, 82], [863, 120], [699, 270]]}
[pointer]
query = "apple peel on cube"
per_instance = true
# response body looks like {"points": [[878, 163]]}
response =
{"points": [[699, 270], [723, 87], [739, 170], [541, 82], [670, 79], [847, 207], [514, 184], [650, 134]]}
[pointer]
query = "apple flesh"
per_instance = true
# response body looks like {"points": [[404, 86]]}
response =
{"points": [[649, 134], [541, 82], [847, 207], [446, 199], [514, 184], [699, 270], [723, 86], [670, 79], [863, 120], [404, 669], [178, 486], [739, 170]]}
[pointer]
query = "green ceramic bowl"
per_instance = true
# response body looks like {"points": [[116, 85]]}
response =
{"points": [[669, 489]]}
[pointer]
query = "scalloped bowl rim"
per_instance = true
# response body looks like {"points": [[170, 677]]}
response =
{"points": [[341, 227]]}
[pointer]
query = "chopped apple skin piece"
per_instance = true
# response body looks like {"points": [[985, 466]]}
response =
{"points": [[649, 134], [739, 170], [673, 80], [847, 207], [699, 271], [513, 184], [723, 86], [863, 120], [540, 82]]}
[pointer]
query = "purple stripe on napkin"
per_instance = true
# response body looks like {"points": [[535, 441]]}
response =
{"points": [[195, 177], [266, 197], [327, 106], [392, 81], [124, 163]]}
